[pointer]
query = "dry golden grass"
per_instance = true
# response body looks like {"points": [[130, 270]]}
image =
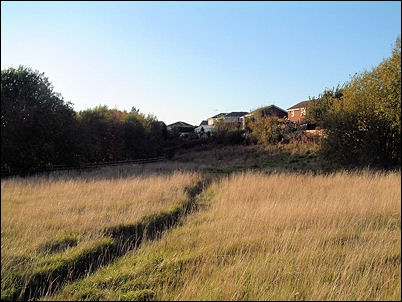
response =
{"points": [[299, 237], [37, 210], [270, 237]]}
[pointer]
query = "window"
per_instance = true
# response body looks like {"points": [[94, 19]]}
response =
{"points": [[293, 113], [303, 111]]}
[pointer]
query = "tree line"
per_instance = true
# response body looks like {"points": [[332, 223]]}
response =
{"points": [[39, 129], [362, 118]]}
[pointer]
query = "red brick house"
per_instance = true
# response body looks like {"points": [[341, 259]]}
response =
{"points": [[298, 112]]}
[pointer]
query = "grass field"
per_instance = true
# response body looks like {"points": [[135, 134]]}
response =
{"points": [[47, 223], [249, 223], [269, 237]]}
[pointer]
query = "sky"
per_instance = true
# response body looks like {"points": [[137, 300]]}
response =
{"points": [[187, 61]]}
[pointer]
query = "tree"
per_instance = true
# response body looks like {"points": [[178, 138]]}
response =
{"points": [[266, 129], [135, 137], [103, 134], [111, 135], [364, 125], [228, 133], [37, 126], [319, 108]]}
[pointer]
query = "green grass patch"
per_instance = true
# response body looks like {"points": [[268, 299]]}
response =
{"points": [[58, 244], [38, 278]]}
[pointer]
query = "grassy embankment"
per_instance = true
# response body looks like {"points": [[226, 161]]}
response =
{"points": [[240, 158], [60, 227], [269, 237]]}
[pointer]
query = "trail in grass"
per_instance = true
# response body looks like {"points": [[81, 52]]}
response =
{"points": [[267, 237], [50, 277]]}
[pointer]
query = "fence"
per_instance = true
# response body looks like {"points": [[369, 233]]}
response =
{"points": [[5, 173]]}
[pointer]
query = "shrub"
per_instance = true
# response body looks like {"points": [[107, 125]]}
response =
{"points": [[268, 130], [228, 133]]}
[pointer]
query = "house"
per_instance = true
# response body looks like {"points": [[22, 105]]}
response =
{"points": [[212, 120], [298, 112], [181, 125], [180, 129], [234, 117], [204, 131], [270, 110]]}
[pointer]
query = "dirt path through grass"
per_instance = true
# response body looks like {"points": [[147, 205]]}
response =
{"points": [[52, 274]]}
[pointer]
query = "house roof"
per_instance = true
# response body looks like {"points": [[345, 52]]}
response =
{"points": [[218, 115], [303, 104], [240, 113], [267, 108], [179, 124]]}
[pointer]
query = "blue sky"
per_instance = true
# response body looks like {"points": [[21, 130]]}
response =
{"points": [[187, 61]]}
